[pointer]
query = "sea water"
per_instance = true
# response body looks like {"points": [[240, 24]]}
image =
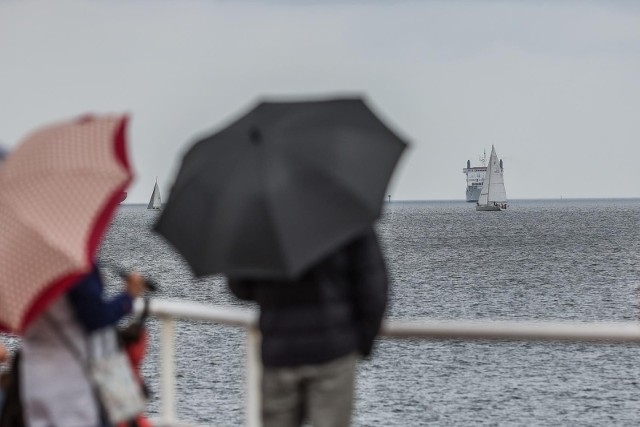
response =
{"points": [[540, 260]]}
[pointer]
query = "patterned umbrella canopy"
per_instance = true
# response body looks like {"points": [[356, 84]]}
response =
{"points": [[58, 192]]}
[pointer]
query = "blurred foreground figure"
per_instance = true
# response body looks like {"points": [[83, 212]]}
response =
{"points": [[56, 391], [314, 329], [59, 190]]}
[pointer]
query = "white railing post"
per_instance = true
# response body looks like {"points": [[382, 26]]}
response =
{"points": [[253, 380], [167, 379]]}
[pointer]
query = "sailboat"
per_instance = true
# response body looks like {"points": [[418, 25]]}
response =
{"points": [[493, 196], [155, 202]]}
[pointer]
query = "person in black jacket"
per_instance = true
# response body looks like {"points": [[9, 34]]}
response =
{"points": [[314, 329]]}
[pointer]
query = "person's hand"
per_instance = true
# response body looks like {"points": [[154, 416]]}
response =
{"points": [[135, 284], [4, 354]]}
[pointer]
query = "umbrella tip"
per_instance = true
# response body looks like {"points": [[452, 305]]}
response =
{"points": [[255, 136]]}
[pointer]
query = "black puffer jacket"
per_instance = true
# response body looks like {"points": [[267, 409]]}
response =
{"points": [[334, 309]]}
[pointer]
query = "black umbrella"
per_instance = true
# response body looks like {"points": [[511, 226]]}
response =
{"points": [[281, 187]]}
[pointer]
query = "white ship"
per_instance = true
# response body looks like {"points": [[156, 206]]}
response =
{"points": [[475, 178]]}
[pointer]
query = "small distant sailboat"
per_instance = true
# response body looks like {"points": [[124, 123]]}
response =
{"points": [[493, 196], [155, 202]]}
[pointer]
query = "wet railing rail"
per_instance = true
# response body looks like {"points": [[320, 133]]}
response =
{"points": [[170, 311]]}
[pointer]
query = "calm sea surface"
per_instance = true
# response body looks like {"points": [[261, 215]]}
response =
{"points": [[564, 259]]}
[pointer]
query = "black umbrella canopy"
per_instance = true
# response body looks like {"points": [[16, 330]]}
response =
{"points": [[280, 188]]}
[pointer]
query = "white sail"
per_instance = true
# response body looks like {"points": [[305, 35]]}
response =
{"points": [[155, 202], [484, 192], [493, 187]]}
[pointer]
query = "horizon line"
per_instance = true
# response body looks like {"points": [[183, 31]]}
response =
{"points": [[463, 200]]}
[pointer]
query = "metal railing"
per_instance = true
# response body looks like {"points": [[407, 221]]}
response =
{"points": [[169, 311]]}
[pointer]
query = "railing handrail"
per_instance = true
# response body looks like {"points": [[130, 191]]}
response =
{"points": [[190, 310], [170, 310], [515, 330], [554, 330]]}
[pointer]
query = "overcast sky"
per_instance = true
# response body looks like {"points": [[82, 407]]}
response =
{"points": [[554, 85]]}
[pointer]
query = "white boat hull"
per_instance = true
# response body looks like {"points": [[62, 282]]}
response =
{"points": [[488, 208]]}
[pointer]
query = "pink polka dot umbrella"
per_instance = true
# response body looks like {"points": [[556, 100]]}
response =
{"points": [[59, 190]]}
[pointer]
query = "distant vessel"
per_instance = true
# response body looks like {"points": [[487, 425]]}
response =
{"points": [[475, 178], [493, 196], [155, 202]]}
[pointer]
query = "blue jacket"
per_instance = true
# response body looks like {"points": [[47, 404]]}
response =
{"points": [[91, 309]]}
